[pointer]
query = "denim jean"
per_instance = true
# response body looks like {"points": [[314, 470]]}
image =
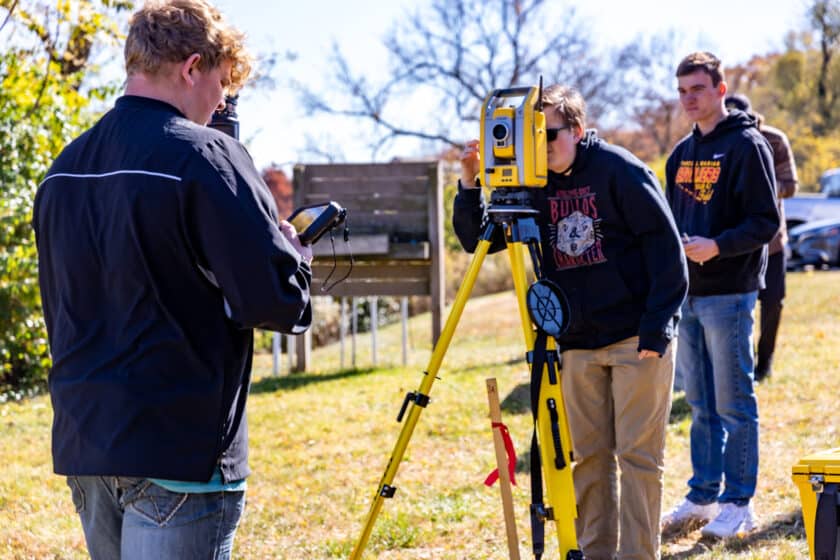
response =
{"points": [[134, 519], [716, 356]]}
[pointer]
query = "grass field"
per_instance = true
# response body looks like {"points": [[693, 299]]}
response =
{"points": [[320, 443]]}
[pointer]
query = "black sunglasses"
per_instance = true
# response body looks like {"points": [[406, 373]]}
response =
{"points": [[551, 133]]}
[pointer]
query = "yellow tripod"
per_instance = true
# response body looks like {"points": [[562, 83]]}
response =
{"points": [[510, 209]]}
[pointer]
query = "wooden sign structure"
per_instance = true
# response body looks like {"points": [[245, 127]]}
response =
{"points": [[395, 217]]}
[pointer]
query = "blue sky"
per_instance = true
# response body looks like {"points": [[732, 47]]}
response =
{"points": [[273, 123]]}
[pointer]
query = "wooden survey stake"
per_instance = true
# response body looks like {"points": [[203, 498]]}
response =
{"points": [[502, 465]]}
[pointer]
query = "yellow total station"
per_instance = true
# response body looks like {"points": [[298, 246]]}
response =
{"points": [[513, 153], [513, 139]]}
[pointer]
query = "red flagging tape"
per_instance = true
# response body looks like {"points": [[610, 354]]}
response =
{"points": [[511, 456]]}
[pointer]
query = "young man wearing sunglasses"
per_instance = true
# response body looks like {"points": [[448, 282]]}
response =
{"points": [[609, 241]]}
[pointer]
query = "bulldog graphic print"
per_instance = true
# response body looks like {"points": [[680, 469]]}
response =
{"points": [[575, 228]]}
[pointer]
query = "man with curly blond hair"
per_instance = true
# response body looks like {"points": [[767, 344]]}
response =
{"points": [[159, 252]]}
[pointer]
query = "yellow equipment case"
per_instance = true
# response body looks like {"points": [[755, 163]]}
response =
{"points": [[818, 479]]}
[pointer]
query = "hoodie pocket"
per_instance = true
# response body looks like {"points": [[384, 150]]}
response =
{"points": [[610, 302]]}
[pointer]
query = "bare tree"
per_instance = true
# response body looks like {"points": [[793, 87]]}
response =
{"points": [[452, 54], [650, 106], [825, 18]]}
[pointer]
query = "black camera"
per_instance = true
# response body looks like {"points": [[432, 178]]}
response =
{"points": [[226, 120]]}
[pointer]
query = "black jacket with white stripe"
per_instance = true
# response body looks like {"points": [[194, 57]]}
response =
{"points": [[159, 252]]}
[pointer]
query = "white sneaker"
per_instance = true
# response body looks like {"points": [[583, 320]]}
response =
{"points": [[733, 521], [689, 511]]}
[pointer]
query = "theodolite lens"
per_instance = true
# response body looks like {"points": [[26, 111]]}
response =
{"points": [[500, 131]]}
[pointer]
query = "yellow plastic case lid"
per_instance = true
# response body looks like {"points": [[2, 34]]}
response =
{"points": [[824, 462]]}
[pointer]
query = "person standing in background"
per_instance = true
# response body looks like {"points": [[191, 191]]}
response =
{"points": [[722, 191], [773, 295]]}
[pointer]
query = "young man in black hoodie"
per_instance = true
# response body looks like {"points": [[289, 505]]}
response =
{"points": [[721, 188], [610, 243]]}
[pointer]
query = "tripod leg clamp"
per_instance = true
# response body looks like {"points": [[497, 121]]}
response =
{"points": [[542, 513], [559, 459], [418, 398], [551, 356], [387, 491]]}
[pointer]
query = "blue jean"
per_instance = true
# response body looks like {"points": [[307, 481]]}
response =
{"points": [[716, 356], [134, 519]]}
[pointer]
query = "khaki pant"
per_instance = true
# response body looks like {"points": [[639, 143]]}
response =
{"points": [[618, 409]]}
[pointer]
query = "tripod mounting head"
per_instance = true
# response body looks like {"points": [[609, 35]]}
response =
{"points": [[509, 204]]}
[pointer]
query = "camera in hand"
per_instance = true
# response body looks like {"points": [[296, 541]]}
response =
{"points": [[314, 220], [226, 120]]}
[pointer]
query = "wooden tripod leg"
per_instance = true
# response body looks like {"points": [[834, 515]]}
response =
{"points": [[502, 464]]}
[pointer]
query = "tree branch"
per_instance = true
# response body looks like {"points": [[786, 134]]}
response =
{"points": [[9, 14], [458, 51]]}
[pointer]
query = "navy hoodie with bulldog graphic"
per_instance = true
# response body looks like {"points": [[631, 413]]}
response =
{"points": [[722, 186], [608, 240]]}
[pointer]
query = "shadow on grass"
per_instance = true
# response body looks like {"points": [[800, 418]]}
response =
{"points": [[518, 401], [523, 461], [298, 380], [680, 409], [786, 526], [490, 365]]}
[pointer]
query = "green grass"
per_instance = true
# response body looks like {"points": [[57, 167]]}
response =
{"points": [[320, 443]]}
